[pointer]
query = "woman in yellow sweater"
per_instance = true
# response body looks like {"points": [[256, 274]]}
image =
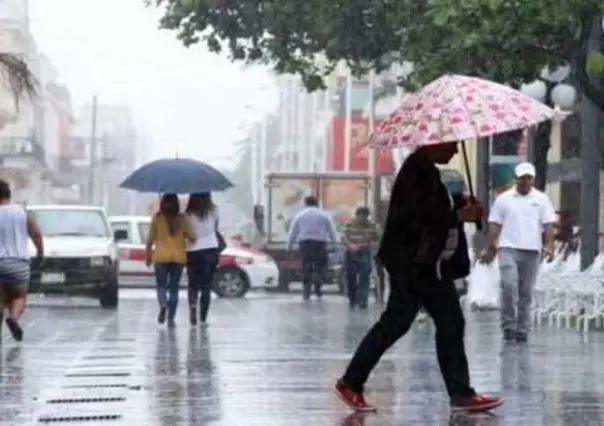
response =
{"points": [[169, 232]]}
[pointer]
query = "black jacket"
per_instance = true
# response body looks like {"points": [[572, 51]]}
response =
{"points": [[418, 221]]}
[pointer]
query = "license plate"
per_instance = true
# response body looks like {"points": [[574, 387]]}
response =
{"points": [[52, 278]]}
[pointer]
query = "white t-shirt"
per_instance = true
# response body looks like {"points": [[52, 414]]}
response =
{"points": [[13, 232], [522, 218], [205, 230]]}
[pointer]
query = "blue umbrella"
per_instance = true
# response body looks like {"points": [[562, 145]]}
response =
{"points": [[176, 176]]}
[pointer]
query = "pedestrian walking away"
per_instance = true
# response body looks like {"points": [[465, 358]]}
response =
{"points": [[421, 251], [202, 254], [312, 229], [360, 236], [16, 226], [165, 250], [521, 233]]}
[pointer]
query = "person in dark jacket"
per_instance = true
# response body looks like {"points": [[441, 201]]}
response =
{"points": [[422, 254]]}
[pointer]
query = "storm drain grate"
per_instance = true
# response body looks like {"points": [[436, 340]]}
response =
{"points": [[98, 386], [86, 400], [97, 375], [99, 365], [108, 356], [92, 418]]}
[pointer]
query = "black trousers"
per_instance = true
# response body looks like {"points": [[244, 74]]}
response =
{"points": [[314, 264], [441, 301], [201, 267]]}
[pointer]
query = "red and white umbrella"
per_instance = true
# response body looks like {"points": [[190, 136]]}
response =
{"points": [[458, 108]]}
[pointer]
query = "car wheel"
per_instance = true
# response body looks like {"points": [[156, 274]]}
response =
{"points": [[109, 297], [231, 283]]}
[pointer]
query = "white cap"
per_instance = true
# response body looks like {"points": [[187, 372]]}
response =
{"points": [[525, 169]]}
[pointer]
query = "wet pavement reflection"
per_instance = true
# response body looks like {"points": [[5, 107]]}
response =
{"points": [[271, 360]]}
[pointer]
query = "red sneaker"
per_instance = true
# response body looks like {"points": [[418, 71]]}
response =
{"points": [[354, 400], [476, 403]]}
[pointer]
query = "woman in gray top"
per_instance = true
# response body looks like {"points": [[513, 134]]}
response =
{"points": [[16, 226]]}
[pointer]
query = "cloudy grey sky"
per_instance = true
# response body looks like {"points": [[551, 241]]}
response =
{"points": [[187, 99]]}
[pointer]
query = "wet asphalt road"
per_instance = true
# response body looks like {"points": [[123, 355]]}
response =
{"points": [[271, 360]]}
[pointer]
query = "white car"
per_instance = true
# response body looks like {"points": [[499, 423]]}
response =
{"points": [[239, 269], [81, 255]]}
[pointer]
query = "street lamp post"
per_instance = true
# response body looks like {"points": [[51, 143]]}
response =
{"points": [[565, 96], [552, 91]]}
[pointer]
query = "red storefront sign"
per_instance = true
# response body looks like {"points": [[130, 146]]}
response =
{"points": [[359, 152]]}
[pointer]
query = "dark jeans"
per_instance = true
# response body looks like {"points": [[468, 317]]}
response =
{"points": [[358, 273], [314, 264], [201, 266], [441, 302], [167, 280]]}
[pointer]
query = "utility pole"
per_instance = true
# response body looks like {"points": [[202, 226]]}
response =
{"points": [[483, 178], [92, 172], [591, 117], [264, 161], [254, 157], [372, 154]]}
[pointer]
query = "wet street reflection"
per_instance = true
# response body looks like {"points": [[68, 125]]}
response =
{"points": [[271, 360]]}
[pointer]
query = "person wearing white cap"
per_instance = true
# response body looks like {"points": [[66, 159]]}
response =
{"points": [[520, 232]]}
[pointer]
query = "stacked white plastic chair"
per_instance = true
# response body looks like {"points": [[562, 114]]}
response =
{"points": [[563, 292]]}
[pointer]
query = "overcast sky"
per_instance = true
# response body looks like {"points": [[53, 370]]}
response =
{"points": [[187, 99]]}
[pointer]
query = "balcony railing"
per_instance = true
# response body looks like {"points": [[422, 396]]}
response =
{"points": [[11, 147]]}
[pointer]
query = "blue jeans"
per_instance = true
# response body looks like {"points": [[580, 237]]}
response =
{"points": [[358, 272], [167, 279]]}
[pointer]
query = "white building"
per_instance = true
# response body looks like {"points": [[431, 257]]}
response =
{"points": [[111, 130], [21, 154], [315, 128]]}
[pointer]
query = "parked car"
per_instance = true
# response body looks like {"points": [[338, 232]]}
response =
{"points": [[81, 253], [239, 269]]}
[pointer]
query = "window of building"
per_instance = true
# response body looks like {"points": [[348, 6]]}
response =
{"points": [[359, 97]]}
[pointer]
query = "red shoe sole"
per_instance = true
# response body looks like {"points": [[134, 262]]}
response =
{"points": [[348, 404], [478, 408]]}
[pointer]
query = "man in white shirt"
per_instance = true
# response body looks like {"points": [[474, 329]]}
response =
{"points": [[520, 229]]}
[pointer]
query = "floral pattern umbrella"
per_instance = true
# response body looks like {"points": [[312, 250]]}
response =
{"points": [[457, 108]]}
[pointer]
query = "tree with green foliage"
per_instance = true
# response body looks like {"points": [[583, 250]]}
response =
{"points": [[508, 41]]}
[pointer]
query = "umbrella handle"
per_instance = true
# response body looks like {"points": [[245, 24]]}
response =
{"points": [[468, 174]]}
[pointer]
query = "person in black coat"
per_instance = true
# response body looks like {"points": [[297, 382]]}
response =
{"points": [[423, 249]]}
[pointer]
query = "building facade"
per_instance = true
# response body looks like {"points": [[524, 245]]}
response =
{"points": [[27, 163], [105, 150]]}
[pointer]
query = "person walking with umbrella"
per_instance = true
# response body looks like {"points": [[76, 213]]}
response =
{"points": [[424, 248], [202, 254], [420, 250], [170, 230], [165, 250]]}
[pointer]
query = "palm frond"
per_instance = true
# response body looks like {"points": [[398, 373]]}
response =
{"points": [[16, 74]]}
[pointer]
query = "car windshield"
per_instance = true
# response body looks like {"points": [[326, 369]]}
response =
{"points": [[67, 223]]}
